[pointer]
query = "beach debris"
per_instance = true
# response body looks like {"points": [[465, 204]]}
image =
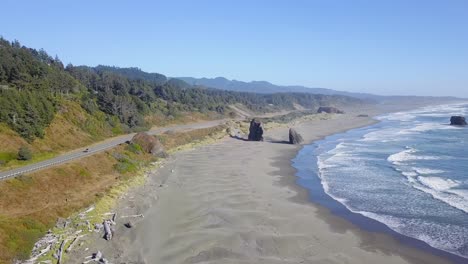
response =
{"points": [[255, 131], [294, 137], [61, 223], [106, 214], [107, 229], [41, 247], [128, 225], [457, 121], [98, 227], [127, 216], [96, 257], [88, 223], [73, 243], [60, 252]]}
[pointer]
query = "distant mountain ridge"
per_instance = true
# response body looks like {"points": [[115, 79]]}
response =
{"points": [[267, 87]]}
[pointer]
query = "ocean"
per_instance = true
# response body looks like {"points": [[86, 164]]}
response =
{"points": [[408, 172]]}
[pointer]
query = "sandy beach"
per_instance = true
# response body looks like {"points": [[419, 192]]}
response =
{"points": [[236, 202]]}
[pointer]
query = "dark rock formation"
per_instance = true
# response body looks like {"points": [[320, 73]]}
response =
{"points": [[255, 131], [294, 137], [329, 110], [149, 144], [457, 121]]}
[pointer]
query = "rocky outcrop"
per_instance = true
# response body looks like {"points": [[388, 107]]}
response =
{"points": [[294, 137], [255, 131], [149, 144], [457, 121], [329, 110]]}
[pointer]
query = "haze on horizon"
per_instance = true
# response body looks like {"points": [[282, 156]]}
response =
{"points": [[381, 47]]}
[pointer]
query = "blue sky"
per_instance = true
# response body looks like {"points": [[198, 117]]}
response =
{"points": [[382, 47]]}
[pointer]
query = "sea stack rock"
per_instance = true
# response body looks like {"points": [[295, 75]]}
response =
{"points": [[329, 110], [149, 144], [457, 121], [255, 131], [294, 137]]}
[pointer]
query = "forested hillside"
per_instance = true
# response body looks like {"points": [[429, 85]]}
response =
{"points": [[34, 86]]}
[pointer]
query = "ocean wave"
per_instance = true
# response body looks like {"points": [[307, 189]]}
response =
{"points": [[426, 171], [446, 110], [408, 155], [420, 128], [438, 184], [384, 135], [427, 206], [399, 116], [444, 190]]}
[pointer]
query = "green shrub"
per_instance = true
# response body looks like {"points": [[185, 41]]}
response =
{"points": [[24, 153], [135, 148]]}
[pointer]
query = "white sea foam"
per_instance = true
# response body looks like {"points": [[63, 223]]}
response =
{"points": [[431, 111], [427, 171], [437, 183], [399, 116], [419, 128], [384, 135], [409, 173], [390, 221], [408, 155], [444, 190]]}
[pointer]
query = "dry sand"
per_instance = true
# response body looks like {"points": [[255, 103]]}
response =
{"points": [[236, 202]]}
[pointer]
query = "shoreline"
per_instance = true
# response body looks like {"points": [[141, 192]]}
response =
{"points": [[355, 246], [334, 208]]}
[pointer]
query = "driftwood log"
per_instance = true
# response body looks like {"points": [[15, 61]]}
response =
{"points": [[60, 252], [107, 230], [73, 243]]}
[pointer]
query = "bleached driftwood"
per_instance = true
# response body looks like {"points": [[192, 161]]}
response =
{"points": [[42, 252], [89, 209], [73, 243], [95, 257], [138, 215], [97, 227], [106, 214], [89, 226], [60, 252], [107, 230]]}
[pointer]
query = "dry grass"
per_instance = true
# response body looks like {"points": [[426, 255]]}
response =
{"points": [[30, 204], [159, 120], [173, 141]]}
